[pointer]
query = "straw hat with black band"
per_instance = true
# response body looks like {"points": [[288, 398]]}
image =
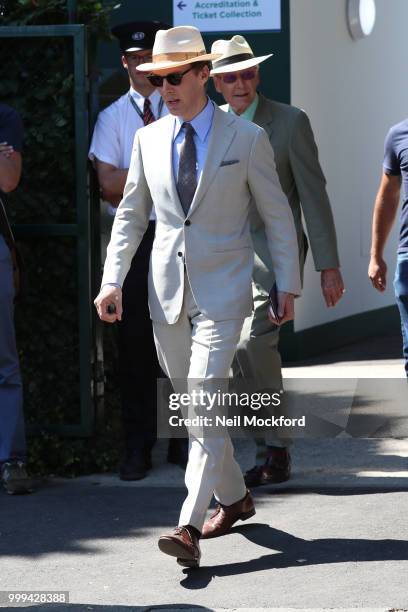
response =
{"points": [[234, 55]]}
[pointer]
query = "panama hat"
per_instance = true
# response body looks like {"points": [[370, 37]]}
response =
{"points": [[234, 55], [177, 47]]}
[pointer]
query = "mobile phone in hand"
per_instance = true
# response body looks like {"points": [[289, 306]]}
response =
{"points": [[273, 302]]}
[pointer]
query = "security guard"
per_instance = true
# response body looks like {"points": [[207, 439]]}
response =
{"points": [[110, 151]]}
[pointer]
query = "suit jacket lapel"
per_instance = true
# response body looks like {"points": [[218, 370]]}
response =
{"points": [[263, 115], [221, 137]]}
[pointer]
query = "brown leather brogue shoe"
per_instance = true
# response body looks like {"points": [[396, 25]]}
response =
{"points": [[221, 521], [182, 543], [275, 469]]}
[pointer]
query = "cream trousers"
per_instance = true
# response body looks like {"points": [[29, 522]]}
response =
{"points": [[201, 350]]}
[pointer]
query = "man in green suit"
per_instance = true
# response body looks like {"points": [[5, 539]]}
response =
{"points": [[236, 77]]}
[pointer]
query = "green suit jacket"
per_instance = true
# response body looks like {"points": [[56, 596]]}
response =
{"points": [[297, 164]]}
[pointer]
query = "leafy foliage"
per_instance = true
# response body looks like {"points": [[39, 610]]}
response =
{"points": [[37, 79], [50, 12]]}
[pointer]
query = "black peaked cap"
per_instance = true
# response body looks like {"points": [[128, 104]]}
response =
{"points": [[137, 35]]}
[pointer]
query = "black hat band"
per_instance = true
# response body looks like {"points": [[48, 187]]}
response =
{"points": [[233, 59]]}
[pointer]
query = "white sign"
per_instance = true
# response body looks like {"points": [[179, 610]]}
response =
{"points": [[228, 15]]}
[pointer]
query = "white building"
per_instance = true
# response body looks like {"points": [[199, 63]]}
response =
{"points": [[353, 91]]}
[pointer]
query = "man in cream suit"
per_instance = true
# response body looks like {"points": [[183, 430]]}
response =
{"points": [[236, 77], [202, 170]]}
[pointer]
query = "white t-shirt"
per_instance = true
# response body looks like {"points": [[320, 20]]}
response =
{"points": [[115, 129]]}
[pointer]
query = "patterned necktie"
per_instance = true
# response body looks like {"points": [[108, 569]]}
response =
{"points": [[187, 175], [148, 116]]}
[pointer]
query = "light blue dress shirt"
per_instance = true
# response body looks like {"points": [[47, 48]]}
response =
{"points": [[202, 124]]}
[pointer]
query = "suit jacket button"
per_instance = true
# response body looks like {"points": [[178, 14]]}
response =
{"points": [[180, 254], [187, 222]]}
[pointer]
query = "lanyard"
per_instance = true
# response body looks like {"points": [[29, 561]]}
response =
{"points": [[139, 112]]}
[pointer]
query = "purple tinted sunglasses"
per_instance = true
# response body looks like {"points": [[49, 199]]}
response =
{"points": [[231, 77]]}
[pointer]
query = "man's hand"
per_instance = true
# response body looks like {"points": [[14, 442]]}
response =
{"points": [[286, 308], [377, 273], [332, 285], [10, 167], [385, 211], [108, 296]]}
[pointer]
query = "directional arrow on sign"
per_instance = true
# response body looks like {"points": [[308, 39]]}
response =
{"points": [[181, 5]]}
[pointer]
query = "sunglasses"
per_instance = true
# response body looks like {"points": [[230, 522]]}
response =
{"points": [[231, 77], [174, 78]]}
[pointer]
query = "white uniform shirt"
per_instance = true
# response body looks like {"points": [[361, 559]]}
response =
{"points": [[115, 129]]}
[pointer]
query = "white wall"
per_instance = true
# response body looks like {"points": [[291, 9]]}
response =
{"points": [[353, 92]]}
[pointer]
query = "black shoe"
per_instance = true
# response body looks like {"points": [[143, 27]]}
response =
{"points": [[15, 478], [135, 465], [178, 452]]}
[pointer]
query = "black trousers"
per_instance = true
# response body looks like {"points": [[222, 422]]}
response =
{"points": [[138, 364]]}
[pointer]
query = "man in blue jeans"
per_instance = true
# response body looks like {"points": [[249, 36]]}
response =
{"points": [[12, 435], [395, 174]]}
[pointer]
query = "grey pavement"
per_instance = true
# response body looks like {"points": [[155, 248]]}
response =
{"points": [[334, 537]]}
